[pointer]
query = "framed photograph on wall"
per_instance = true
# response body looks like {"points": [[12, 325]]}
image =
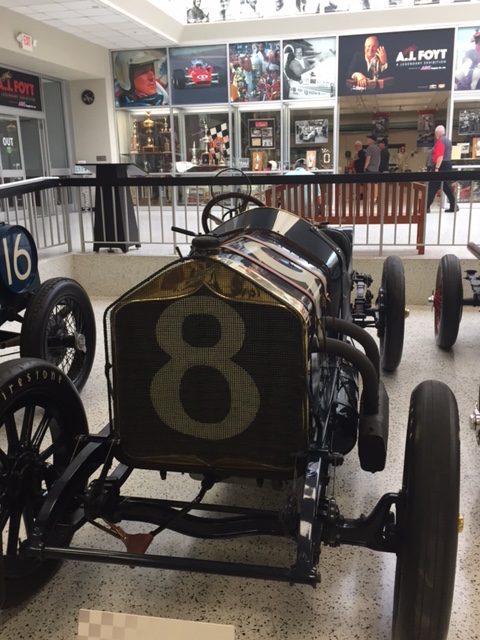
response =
{"points": [[257, 160], [310, 68], [199, 75], [469, 122], [311, 159], [261, 133], [140, 78], [311, 131], [476, 148]]}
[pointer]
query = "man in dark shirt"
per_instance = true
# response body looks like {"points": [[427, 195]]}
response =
{"points": [[359, 158], [384, 156], [368, 65], [442, 161]]}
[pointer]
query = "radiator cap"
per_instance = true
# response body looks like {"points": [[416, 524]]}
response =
{"points": [[205, 242]]}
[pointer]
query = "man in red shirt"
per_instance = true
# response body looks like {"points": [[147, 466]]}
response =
{"points": [[442, 160]]}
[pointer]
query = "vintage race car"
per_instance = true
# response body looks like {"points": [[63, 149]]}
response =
{"points": [[244, 360], [58, 324], [199, 74]]}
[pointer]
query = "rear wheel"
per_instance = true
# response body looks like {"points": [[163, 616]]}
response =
{"points": [[41, 417], [59, 326], [428, 516], [391, 301], [448, 301]]}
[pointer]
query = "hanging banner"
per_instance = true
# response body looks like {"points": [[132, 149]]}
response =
{"points": [[380, 124], [400, 62], [426, 128], [19, 90]]}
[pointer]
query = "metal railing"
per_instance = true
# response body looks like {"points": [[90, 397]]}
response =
{"points": [[83, 214]]}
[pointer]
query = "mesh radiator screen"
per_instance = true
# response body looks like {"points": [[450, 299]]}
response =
{"points": [[202, 381]]}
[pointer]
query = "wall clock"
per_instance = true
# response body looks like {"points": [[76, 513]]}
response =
{"points": [[88, 97]]}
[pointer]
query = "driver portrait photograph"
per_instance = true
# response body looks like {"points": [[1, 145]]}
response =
{"points": [[467, 71], [141, 78]]}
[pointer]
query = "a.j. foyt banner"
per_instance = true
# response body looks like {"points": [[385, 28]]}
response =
{"points": [[405, 62], [19, 90]]}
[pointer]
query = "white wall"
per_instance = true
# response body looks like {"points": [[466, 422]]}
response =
{"points": [[94, 124], [66, 57]]}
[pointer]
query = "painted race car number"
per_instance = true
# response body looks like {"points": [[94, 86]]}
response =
{"points": [[18, 263], [165, 387]]}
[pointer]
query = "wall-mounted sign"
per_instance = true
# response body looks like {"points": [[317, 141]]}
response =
{"points": [[19, 90], [399, 62], [26, 42], [262, 133]]}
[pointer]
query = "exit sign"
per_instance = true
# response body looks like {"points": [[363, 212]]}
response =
{"points": [[25, 41]]}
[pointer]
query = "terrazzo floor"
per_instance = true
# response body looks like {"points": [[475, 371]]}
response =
{"points": [[354, 599]]}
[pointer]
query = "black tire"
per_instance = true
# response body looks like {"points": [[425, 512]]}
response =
{"points": [[179, 79], [391, 328], [448, 301], [59, 326], [41, 417], [220, 189], [428, 516], [240, 204]]}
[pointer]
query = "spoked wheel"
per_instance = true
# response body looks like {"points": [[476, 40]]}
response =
{"points": [[391, 314], [238, 202], [41, 416], [448, 301], [428, 516], [59, 326]]}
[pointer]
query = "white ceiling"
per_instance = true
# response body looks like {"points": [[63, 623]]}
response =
{"points": [[90, 20], [97, 21]]}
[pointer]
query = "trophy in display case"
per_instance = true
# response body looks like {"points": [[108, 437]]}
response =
{"points": [[204, 141], [223, 153], [193, 151], [149, 126], [135, 139], [164, 126]]}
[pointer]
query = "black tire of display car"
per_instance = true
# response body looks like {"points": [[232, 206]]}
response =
{"points": [[428, 516], [448, 301], [240, 204], [59, 326], [393, 321], [178, 79], [41, 417]]}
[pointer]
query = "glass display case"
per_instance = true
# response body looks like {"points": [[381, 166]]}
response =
{"points": [[146, 139], [260, 139], [311, 137], [207, 139]]}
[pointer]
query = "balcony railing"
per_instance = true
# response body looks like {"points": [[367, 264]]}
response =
{"points": [[388, 211]]}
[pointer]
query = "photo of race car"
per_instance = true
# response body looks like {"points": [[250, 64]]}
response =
{"points": [[198, 74]]}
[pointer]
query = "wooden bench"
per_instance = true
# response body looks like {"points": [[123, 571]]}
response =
{"points": [[352, 204]]}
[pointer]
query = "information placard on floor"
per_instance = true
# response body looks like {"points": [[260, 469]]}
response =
{"points": [[105, 625]]}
